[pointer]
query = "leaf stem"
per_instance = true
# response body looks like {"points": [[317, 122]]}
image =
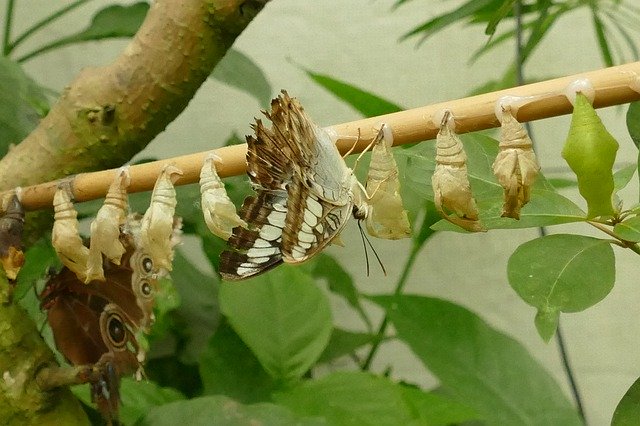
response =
{"points": [[617, 240], [569, 371], [6, 48], [46, 21], [380, 334]]}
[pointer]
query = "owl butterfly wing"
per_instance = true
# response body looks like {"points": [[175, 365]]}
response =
{"points": [[311, 223], [387, 217], [256, 249], [97, 323], [11, 226]]}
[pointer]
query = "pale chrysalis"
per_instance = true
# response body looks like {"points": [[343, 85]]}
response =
{"points": [[387, 217], [11, 227], [106, 227], [219, 212], [515, 166], [65, 237], [451, 188], [157, 225]]}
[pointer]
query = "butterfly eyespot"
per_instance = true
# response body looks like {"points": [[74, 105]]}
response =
{"points": [[145, 288], [147, 264], [116, 331]]}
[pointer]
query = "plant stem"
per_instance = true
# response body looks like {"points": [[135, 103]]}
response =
{"points": [[415, 249], [6, 48], [38, 25], [622, 243], [542, 231]]}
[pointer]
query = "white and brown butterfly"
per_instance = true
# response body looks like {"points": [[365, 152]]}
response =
{"points": [[305, 194]]}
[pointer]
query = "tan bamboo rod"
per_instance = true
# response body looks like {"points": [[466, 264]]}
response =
{"points": [[612, 86]]}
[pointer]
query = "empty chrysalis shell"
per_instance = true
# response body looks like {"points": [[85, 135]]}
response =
{"points": [[387, 217], [219, 212], [515, 166], [157, 225], [106, 227], [590, 151], [11, 226], [451, 188], [65, 237]]}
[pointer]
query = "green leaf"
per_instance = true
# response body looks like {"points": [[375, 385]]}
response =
{"points": [[366, 103], [601, 34], [432, 409], [629, 229], [113, 21], [198, 315], [343, 342], [283, 317], [622, 177], [590, 151], [238, 70], [39, 258], [561, 183], [228, 367], [504, 10], [349, 398], [221, 410], [562, 273], [633, 122], [628, 410], [339, 281], [478, 365], [22, 104]]}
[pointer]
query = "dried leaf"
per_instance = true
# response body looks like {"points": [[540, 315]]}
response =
{"points": [[450, 182], [106, 227], [11, 226], [387, 217], [65, 236], [158, 221], [515, 166], [220, 213]]}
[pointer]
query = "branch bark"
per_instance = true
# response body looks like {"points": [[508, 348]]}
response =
{"points": [[101, 120]]}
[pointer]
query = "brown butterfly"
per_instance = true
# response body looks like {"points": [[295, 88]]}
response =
{"points": [[11, 226], [305, 194], [97, 323]]}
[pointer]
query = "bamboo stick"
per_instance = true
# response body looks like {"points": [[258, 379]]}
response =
{"points": [[612, 86]]}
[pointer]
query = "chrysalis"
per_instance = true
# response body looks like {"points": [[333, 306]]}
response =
{"points": [[11, 226], [65, 237], [451, 187], [219, 212], [590, 151], [158, 222], [106, 227], [515, 166], [387, 217]]}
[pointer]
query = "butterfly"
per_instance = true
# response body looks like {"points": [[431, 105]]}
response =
{"points": [[98, 323], [11, 227], [305, 193]]}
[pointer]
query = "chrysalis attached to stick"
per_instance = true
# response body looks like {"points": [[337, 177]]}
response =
{"points": [[106, 227], [387, 217], [65, 236], [158, 221], [451, 187], [11, 226], [515, 166], [220, 213]]}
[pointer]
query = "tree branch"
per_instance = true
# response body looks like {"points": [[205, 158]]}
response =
{"points": [[612, 86]]}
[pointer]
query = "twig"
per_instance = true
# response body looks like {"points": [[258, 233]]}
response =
{"points": [[613, 86], [55, 376]]}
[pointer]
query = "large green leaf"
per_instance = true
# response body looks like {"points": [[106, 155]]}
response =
{"points": [[238, 70], [114, 21], [432, 409], [228, 367], [283, 317], [22, 103], [633, 122], [366, 103], [198, 314], [340, 282], [221, 410], [629, 229], [628, 410], [485, 369], [561, 273], [355, 398], [343, 342]]}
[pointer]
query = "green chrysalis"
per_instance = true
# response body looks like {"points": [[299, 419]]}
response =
{"points": [[590, 151]]}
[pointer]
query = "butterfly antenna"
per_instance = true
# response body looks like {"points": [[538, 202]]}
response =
{"points": [[366, 254], [375, 253]]}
